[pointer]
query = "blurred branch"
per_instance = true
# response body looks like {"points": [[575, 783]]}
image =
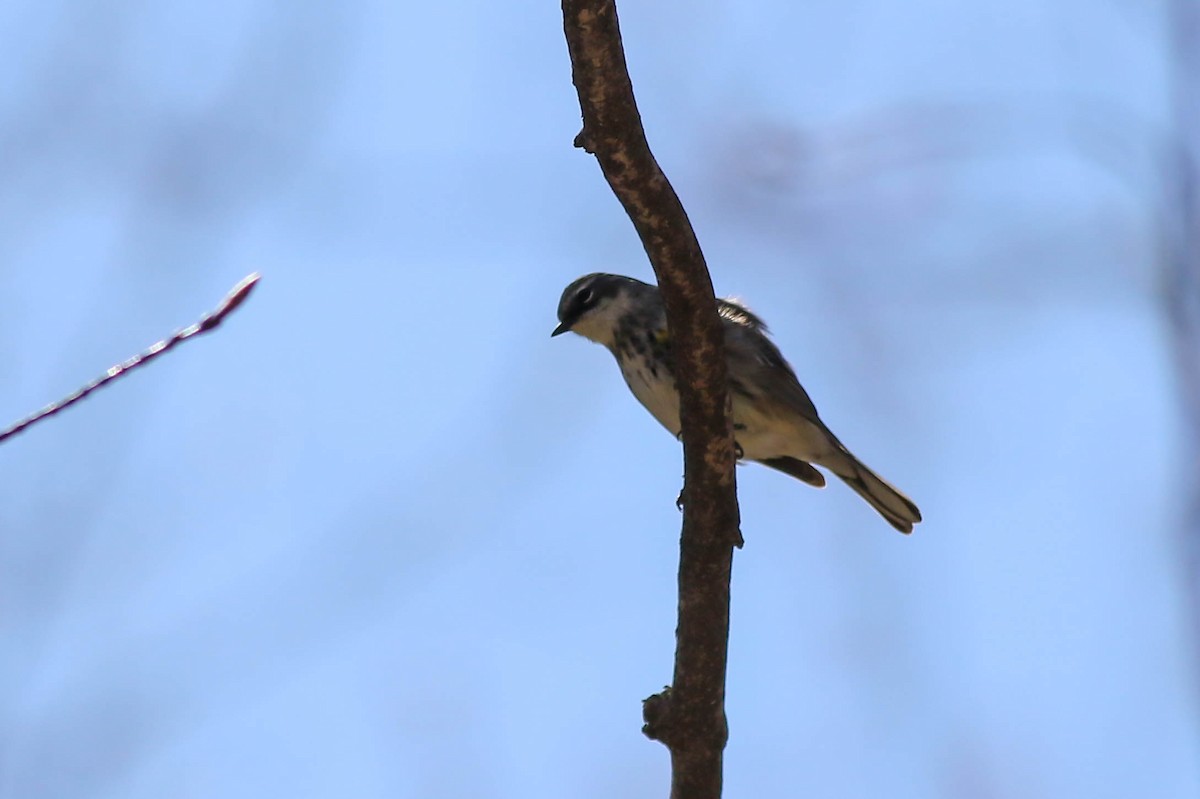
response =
{"points": [[1181, 290], [208, 322], [689, 717]]}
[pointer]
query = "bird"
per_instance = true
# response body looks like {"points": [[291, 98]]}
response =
{"points": [[775, 423]]}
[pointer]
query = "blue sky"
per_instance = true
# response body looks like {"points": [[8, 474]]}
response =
{"points": [[381, 536]]}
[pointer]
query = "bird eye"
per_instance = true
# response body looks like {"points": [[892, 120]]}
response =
{"points": [[586, 296]]}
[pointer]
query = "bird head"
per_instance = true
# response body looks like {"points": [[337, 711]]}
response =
{"points": [[593, 305]]}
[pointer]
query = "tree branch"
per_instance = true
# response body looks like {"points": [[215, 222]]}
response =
{"points": [[1180, 219], [236, 296], [689, 717]]}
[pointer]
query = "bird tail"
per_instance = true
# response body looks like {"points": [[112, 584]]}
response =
{"points": [[891, 504]]}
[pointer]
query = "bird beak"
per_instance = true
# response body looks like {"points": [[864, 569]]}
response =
{"points": [[563, 327]]}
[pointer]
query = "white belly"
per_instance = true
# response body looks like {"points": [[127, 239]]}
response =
{"points": [[760, 437], [657, 395]]}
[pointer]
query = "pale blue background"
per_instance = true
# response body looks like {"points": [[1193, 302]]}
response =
{"points": [[381, 537]]}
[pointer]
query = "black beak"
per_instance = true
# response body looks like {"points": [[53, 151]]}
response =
{"points": [[563, 327]]}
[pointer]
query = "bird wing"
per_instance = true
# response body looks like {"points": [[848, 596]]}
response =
{"points": [[801, 470], [757, 368], [733, 310]]}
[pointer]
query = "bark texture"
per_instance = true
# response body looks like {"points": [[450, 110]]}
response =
{"points": [[689, 716]]}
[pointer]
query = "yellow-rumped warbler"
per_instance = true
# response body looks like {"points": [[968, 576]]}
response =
{"points": [[774, 421]]}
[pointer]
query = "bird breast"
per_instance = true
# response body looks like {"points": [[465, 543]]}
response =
{"points": [[654, 387]]}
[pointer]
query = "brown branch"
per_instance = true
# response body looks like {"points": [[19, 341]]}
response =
{"points": [[209, 321], [689, 717]]}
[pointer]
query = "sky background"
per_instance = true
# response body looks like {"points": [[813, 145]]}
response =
{"points": [[380, 536]]}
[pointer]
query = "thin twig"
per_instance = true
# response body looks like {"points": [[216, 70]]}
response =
{"points": [[689, 717], [208, 322]]}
